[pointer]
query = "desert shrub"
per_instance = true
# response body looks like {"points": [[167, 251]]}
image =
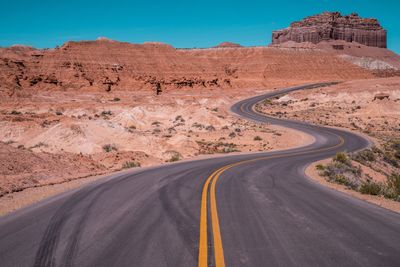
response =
{"points": [[396, 149], [364, 156], [371, 188], [376, 150], [130, 164], [229, 150], [197, 125], [106, 113], [210, 128], [156, 123], [388, 158], [257, 138], [14, 112], [58, 113], [109, 147], [156, 131], [393, 187], [343, 173], [225, 127], [232, 134], [342, 158], [341, 179], [175, 156], [116, 99], [320, 167]]}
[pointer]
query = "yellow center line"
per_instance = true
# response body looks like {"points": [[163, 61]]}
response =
{"points": [[213, 178]]}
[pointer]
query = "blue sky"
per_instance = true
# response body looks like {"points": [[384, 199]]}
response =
{"points": [[180, 23]]}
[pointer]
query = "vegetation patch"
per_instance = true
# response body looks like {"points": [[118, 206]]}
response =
{"points": [[130, 164], [342, 171], [216, 147], [110, 147], [174, 156]]}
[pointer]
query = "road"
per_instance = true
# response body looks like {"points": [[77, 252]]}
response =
{"points": [[243, 210]]}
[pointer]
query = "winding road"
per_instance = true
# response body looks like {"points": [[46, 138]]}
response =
{"points": [[241, 210]]}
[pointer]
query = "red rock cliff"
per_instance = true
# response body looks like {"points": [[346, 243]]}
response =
{"points": [[333, 26]]}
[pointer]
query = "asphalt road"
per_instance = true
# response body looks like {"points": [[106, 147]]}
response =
{"points": [[243, 210]]}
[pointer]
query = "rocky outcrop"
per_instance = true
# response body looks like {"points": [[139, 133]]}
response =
{"points": [[333, 26], [228, 44]]}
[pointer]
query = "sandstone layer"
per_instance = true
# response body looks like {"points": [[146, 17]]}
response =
{"points": [[105, 65], [333, 26]]}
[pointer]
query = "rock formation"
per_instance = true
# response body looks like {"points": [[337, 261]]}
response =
{"points": [[228, 44], [333, 26], [106, 65]]}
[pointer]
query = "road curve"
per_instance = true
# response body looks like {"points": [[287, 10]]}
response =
{"points": [[243, 210]]}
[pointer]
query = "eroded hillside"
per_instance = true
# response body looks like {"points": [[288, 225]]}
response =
{"points": [[105, 65]]}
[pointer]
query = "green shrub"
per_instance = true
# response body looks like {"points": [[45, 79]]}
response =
{"points": [[175, 156], [320, 167], [393, 187], [257, 138], [109, 147], [371, 188], [229, 150], [342, 158], [365, 155], [130, 164]]}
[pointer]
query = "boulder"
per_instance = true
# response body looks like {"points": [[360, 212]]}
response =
{"points": [[381, 96]]}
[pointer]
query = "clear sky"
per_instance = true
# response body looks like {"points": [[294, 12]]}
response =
{"points": [[187, 23]]}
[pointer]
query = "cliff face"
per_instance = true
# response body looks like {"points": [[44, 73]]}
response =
{"points": [[333, 26]]}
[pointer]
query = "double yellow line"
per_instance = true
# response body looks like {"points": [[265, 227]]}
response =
{"points": [[209, 191]]}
